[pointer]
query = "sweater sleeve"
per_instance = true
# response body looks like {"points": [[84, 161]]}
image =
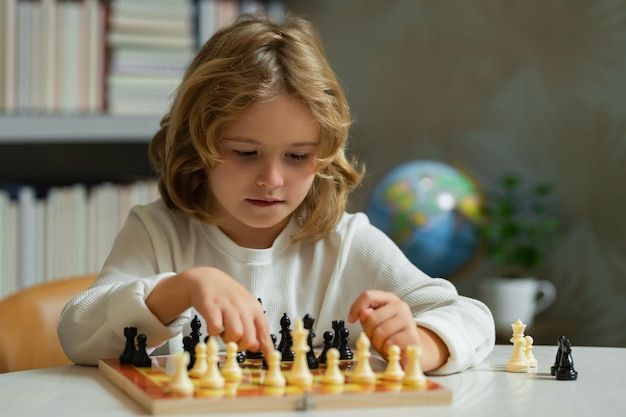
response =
{"points": [[92, 324], [464, 324]]}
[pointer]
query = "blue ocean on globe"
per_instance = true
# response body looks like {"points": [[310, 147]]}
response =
{"points": [[430, 210]]}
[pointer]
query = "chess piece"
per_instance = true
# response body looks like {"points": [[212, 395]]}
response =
{"points": [[565, 370], [286, 341], [300, 374], [363, 373], [333, 375], [557, 360], [212, 378], [337, 325], [231, 371], [328, 344], [394, 371], [141, 358], [189, 348], [311, 359], [180, 383], [195, 331], [241, 357], [414, 375], [274, 376], [518, 361], [200, 367], [345, 353], [130, 350], [528, 351]]}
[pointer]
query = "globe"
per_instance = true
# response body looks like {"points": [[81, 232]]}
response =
{"points": [[431, 211]]}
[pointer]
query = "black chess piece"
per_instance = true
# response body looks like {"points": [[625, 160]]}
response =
{"points": [[337, 325], [328, 343], [311, 359], [130, 350], [195, 331], [285, 323], [141, 358], [557, 360], [344, 348], [241, 357], [287, 354], [189, 347], [565, 371]]}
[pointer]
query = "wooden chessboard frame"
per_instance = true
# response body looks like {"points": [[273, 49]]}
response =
{"points": [[147, 386]]}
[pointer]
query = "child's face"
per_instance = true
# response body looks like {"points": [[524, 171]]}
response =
{"points": [[267, 170]]}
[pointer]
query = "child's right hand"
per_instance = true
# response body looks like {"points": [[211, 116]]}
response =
{"points": [[230, 311]]}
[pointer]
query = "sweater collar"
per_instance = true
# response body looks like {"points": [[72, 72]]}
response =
{"points": [[252, 256]]}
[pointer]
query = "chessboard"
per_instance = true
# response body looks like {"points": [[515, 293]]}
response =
{"points": [[148, 386]]}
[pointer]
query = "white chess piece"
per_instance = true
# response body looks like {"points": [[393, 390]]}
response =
{"points": [[394, 371], [274, 376], [180, 383], [414, 375], [200, 365], [528, 350], [363, 373], [231, 371], [212, 378], [518, 361], [300, 374], [333, 375]]}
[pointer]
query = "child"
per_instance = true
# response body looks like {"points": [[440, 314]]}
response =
{"points": [[254, 183]]}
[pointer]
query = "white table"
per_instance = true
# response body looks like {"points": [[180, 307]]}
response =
{"points": [[487, 390]]}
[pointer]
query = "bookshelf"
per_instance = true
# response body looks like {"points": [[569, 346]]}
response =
{"points": [[83, 86]]}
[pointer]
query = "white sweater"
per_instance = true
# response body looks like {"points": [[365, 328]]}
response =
{"points": [[322, 279]]}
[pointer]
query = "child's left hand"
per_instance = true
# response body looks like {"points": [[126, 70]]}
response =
{"points": [[386, 320]]}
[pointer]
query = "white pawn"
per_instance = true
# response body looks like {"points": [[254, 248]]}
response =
{"points": [[180, 383], [333, 375], [528, 350], [363, 373], [212, 378], [199, 366], [414, 375], [394, 371], [231, 371], [274, 376]]}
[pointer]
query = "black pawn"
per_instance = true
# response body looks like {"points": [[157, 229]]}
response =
{"points": [[328, 343], [337, 326], [311, 359], [565, 371], [195, 331], [189, 347], [126, 358], [285, 323], [557, 360], [344, 349], [241, 358], [141, 358]]}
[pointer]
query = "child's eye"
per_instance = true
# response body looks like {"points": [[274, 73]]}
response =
{"points": [[297, 156], [244, 154]]}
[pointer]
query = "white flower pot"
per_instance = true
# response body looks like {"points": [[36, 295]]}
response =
{"points": [[510, 299]]}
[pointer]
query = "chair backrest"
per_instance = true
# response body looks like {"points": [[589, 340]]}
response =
{"points": [[28, 324]]}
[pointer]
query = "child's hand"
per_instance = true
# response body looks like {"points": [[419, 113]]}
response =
{"points": [[230, 311], [386, 320]]}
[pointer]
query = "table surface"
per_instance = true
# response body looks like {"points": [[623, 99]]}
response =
{"points": [[487, 390]]}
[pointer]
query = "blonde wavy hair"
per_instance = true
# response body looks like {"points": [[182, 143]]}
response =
{"points": [[250, 61]]}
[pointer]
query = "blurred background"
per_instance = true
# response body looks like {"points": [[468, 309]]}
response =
{"points": [[491, 87]]}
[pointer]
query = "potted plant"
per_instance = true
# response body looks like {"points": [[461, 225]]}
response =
{"points": [[517, 232]]}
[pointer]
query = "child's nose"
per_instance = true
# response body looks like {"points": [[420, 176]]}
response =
{"points": [[270, 175]]}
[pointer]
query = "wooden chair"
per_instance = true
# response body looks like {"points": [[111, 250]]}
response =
{"points": [[28, 324]]}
